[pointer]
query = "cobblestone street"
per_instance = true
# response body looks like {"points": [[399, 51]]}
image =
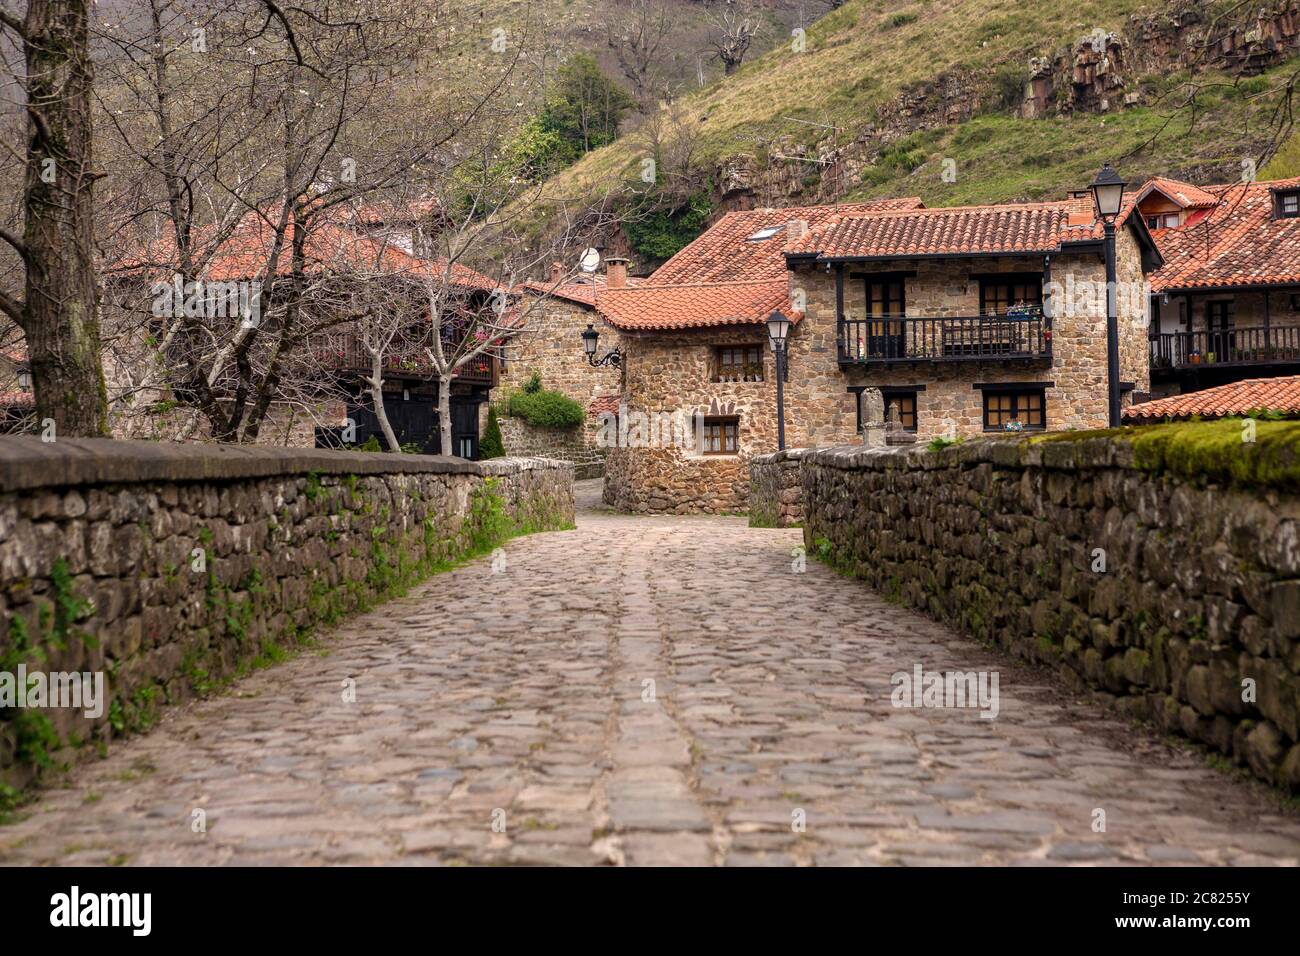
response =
{"points": [[644, 691]]}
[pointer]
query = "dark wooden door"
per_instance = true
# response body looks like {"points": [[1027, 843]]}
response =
{"points": [[464, 427], [1220, 318], [885, 311]]}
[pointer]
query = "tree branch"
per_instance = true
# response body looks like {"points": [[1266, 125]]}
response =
{"points": [[17, 243], [13, 23], [11, 307]]}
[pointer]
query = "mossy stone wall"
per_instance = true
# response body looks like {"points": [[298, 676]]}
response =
{"points": [[1160, 566], [172, 568]]}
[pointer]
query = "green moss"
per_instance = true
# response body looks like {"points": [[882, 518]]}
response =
{"points": [[1214, 451]]}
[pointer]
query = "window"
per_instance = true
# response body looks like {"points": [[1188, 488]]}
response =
{"points": [[1014, 409], [886, 300], [765, 233], [905, 403], [1000, 293], [902, 397], [740, 363], [1287, 205], [1167, 220], [721, 436]]}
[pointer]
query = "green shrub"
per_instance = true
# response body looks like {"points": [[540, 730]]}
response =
{"points": [[534, 384], [492, 446], [546, 409]]}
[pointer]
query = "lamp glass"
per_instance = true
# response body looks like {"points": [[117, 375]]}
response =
{"points": [[1108, 192], [778, 327], [589, 339]]}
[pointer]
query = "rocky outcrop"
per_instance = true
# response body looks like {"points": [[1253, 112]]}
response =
{"points": [[1101, 72]]}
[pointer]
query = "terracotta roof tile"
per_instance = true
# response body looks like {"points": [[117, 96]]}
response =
{"points": [[1186, 195], [1277, 394], [1238, 243], [694, 305], [332, 245], [604, 405], [583, 289], [1009, 228], [726, 253], [17, 400]]}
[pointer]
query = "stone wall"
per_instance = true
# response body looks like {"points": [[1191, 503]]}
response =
{"points": [[1178, 597], [170, 568], [575, 445], [775, 496], [552, 348], [673, 374]]}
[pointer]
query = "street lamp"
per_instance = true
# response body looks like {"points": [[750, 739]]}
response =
{"points": [[24, 380], [590, 338], [1108, 196], [778, 327]]}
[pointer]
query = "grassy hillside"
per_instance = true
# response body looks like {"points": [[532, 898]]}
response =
{"points": [[861, 58]]}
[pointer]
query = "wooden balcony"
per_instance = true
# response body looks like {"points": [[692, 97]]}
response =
{"points": [[900, 339], [1250, 345], [410, 361]]}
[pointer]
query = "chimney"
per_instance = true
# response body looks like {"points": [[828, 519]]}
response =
{"points": [[796, 229], [557, 272], [615, 273]]}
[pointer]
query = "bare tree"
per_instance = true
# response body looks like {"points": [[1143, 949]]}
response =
{"points": [[59, 309], [736, 24], [638, 40], [311, 117]]}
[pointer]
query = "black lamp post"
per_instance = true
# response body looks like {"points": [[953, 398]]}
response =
{"points": [[1108, 195], [778, 327], [590, 338]]}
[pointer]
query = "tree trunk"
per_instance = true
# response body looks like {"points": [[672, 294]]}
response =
{"points": [[376, 383], [444, 414], [61, 310]]}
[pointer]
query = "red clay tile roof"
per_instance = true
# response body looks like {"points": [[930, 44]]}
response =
{"points": [[725, 253], [1009, 228], [1276, 394], [695, 305], [604, 405], [17, 400], [1238, 243], [581, 289], [1185, 194], [332, 246]]}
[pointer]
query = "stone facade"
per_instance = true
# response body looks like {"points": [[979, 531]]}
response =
{"points": [[574, 445], [171, 567], [675, 372], [948, 404], [775, 496], [1165, 593], [552, 347]]}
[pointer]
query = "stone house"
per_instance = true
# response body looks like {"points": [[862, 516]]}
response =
{"points": [[742, 246], [353, 262], [1226, 303], [966, 320]]}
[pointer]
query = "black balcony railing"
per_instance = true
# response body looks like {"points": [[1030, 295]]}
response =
{"points": [[964, 338], [1251, 345]]}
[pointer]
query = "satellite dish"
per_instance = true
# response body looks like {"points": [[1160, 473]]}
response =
{"points": [[590, 261]]}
